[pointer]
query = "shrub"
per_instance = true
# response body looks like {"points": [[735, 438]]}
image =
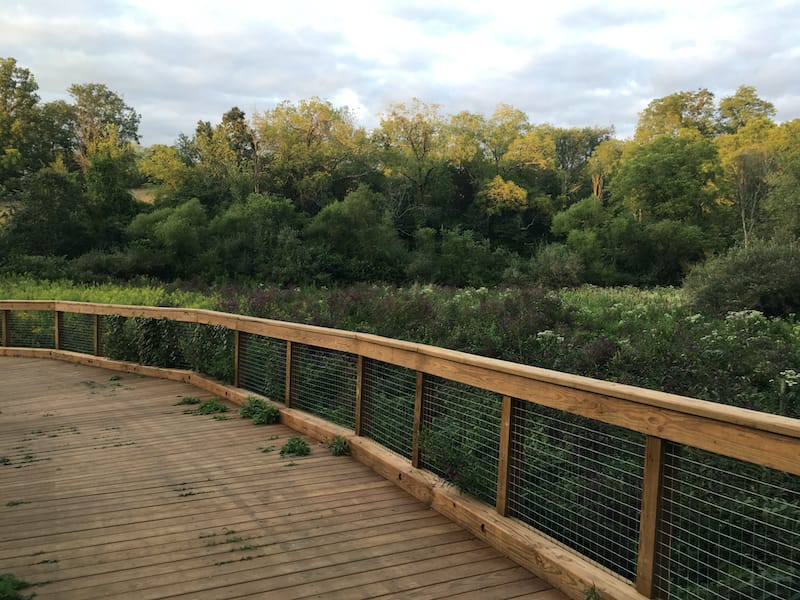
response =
{"points": [[295, 446], [259, 411], [209, 407], [764, 276], [338, 446], [10, 586], [556, 266]]}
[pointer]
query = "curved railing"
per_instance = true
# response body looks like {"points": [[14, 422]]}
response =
{"points": [[634, 492]]}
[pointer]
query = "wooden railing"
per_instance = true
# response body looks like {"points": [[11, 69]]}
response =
{"points": [[592, 484]]}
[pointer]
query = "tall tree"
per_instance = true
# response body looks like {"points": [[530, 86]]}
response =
{"points": [[673, 114], [97, 107], [782, 205], [18, 103], [747, 160], [414, 141], [573, 148], [743, 107], [670, 178], [311, 151]]}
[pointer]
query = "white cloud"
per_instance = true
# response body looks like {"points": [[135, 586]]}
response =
{"points": [[568, 63]]}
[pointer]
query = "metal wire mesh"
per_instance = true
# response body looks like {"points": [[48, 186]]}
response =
{"points": [[578, 481], [732, 529], [387, 405], [155, 342], [262, 365], [207, 349], [324, 383], [460, 435], [31, 329], [77, 333]]}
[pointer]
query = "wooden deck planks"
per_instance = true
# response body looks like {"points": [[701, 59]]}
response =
{"points": [[111, 491]]}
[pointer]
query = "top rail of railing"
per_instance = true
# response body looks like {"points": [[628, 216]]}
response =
{"points": [[761, 438]]}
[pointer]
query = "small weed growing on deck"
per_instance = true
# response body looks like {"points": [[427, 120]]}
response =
{"points": [[47, 561], [115, 378], [17, 502], [188, 400], [10, 586], [4, 460], [209, 407], [338, 446], [267, 449], [295, 446], [591, 594], [228, 540], [258, 410]]}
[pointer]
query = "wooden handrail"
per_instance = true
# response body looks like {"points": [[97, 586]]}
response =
{"points": [[765, 439]]}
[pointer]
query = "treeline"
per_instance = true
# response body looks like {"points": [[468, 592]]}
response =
{"points": [[302, 194]]}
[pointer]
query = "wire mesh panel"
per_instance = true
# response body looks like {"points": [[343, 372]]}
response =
{"points": [[732, 530], [77, 333], [387, 405], [324, 383], [207, 349], [578, 481], [155, 342], [117, 338], [460, 435], [262, 365], [31, 329]]}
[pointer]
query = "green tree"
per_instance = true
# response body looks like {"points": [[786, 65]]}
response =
{"points": [[670, 178], [168, 242], [96, 108], [51, 218], [573, 148], [743, 107], [414, 158], [360, 237], [108, 176], [259, 238], [311, 152], [18, 104], [674, 114], [782, 204], [747, 161]]}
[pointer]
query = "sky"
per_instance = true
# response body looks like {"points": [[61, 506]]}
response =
{"points": [[570, 63]]}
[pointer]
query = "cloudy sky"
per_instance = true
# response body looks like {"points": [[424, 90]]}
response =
{"points": [[567, 62]]}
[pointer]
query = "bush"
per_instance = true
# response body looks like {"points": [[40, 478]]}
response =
{"points": [[259, 411], [556, 266], [295, 446], [10, 586], [764, 276]]}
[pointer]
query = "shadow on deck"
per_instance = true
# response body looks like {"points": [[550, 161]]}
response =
{"points": [[110, 490]]}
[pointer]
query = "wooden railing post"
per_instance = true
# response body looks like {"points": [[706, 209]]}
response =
{"points": [[651, 526], [59, 317], [5, 316], [417, 419], [287, 397], [501, 503], [96, 335], [359, 393], [236, 358]]}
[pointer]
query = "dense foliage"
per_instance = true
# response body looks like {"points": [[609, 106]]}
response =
{"points": [[301, 194]]}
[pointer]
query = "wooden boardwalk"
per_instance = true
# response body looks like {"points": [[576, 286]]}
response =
{"points": [[110, 491]]}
